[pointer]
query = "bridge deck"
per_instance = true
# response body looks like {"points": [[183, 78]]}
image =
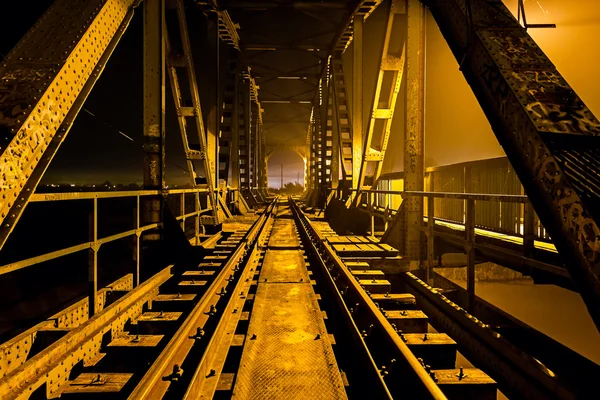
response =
{"points": [[288, 353]]}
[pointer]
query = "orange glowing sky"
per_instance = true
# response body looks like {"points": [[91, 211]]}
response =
{"points": [[456, 128]]}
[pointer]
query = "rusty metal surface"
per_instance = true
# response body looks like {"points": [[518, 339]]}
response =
{"points": [[548, 133], [284, 266], [287, 359], [418, 383], [288, 352], [44, 81], [52, 366], [386, 94], [519, 373], [284, 234]]}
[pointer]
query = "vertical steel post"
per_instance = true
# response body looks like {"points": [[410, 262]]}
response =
{"points": [[137, 241], [154, 109], [415, 124], [197, 222], [372, 212], [470, 250], [214, 109], [93, 261], [234, 158], [528, 229], [387, 211], [357, 99], [182, 209], [335, 134], [430, 239]]}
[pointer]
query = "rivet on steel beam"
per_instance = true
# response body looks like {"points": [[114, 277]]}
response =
{"points": [[97, 379], [175, 375], [425, 338], [461, 375], [433, 376], [213, 310], [392, 362], [198, 335], [223, 291], [318, 336], [253, 337], [384, 372]]}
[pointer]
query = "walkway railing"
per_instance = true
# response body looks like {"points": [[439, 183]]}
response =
{"points": [[94, 243], [377, 203]]}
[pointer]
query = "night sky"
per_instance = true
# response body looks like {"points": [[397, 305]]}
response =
{"points": [[94, 150], [456, 129]]}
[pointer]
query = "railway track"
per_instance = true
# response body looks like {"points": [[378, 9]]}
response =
{"points": [[269, 312]]}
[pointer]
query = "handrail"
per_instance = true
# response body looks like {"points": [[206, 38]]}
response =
{"points": [[42, 197], [506, 198], [424, 384], [95, 244]]}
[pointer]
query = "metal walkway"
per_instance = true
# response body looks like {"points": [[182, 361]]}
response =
{"points": [[287, 352]]}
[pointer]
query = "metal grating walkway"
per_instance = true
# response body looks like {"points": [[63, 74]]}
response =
{"points": [[291, 355]]}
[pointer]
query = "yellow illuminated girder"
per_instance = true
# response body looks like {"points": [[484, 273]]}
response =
{"points": [[48, 74], [185, 60], [386, 93]]}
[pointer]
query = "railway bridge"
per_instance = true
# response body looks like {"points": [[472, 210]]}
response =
{"points": [[226, 288]]}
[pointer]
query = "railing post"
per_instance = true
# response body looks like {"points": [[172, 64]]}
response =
{"points": [[93, 261], [470, 250], [197, 222], [528, 229], [138, 234], [387, 212], [430, 239], [372, 212], [182, 207]]}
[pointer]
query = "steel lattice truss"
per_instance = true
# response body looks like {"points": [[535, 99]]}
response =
{"points": [[285, 58]]}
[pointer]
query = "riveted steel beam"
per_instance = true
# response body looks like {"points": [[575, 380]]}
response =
{"points": [[550, 136], [43, 83], [414, 128], [389, 79]]}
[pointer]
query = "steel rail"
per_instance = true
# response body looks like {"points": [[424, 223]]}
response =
{"points": [[204, 381], [156, 381], [418, 382], [47, 366], [518, 373], [13, 352]]}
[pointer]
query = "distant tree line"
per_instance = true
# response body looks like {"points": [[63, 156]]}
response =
{"points": [[288, 188]]}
